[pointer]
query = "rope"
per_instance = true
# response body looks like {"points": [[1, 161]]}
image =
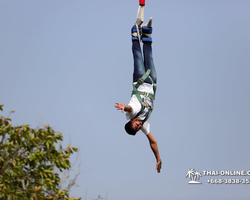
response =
{"points": [[141, 8]]}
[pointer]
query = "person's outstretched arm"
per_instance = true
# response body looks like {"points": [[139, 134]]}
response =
{"points": [[123, 107], [154, 147]]}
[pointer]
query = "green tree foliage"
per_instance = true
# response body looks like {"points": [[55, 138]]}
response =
{"points": [[28, 158], [98, 198]]}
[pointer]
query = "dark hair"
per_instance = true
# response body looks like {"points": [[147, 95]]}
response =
{"points": [[129, 129]]}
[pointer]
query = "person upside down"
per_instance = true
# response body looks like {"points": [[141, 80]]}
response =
{"points": [[144, 87]]}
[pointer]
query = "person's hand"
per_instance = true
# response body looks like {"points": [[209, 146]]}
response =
{"points": [[120, 106], [158, 166]]}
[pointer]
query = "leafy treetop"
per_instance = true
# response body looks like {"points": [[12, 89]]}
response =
{"points": [[28, 158]]}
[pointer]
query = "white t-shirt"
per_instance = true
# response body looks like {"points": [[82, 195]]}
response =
{"points": [[136, 105]]}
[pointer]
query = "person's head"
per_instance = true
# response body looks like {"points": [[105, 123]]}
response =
{"points": [[133, 126]]}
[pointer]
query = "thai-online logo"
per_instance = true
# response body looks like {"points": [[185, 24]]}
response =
{"points": [[194, 176]]}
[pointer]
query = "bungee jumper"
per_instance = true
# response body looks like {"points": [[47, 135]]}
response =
{"points": [[144, 83]]}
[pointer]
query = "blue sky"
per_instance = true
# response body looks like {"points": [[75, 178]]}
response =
{"points": [[66, 63]]}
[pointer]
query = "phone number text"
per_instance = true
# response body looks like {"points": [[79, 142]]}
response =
{"points": [[228, 181]]}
